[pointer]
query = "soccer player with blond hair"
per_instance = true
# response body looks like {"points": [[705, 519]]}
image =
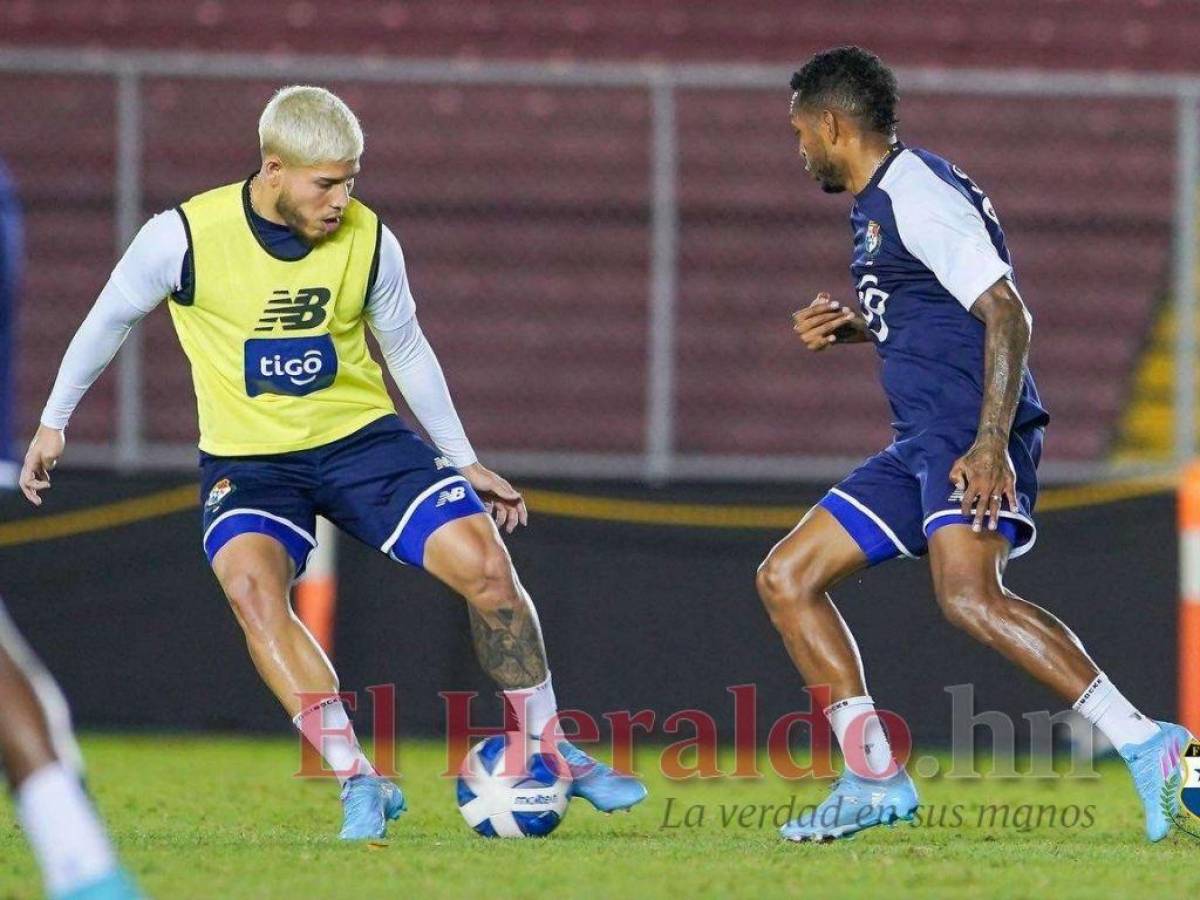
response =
{"points": [[271, 281]]}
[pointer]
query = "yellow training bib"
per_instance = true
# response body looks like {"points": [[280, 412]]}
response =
{"points": [[277, 349]]}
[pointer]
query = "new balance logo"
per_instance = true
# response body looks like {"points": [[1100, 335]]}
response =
{"points": [[305, 310], [453, 495], [955, 496], [441, 463]]}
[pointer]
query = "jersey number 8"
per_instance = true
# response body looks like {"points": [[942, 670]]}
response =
{"points": [[873, 302]]}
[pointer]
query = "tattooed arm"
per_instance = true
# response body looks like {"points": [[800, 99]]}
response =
{"points": [[985, 473]]}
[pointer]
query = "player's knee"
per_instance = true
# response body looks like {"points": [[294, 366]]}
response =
{"points": [[490, 583], [257, 604], [772, 584], [785, 583]]}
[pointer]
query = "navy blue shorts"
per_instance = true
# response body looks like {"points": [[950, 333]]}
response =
{"points": [[894, 501], [382, 485]]}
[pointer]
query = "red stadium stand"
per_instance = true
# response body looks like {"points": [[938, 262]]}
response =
{"points": [[1112, 34], [524, 212]]}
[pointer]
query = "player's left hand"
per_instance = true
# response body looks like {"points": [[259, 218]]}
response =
{"points": [[501, 499], [825, 322], [986, 478]]}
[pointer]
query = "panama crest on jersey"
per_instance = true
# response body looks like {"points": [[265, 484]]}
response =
{"points": [[874, 238]]}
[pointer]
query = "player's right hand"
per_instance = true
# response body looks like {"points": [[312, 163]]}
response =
{"points": [[501, 500], [817, 323], [44, 450]]}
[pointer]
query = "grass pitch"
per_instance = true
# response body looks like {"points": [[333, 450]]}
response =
{"points": [[219, 817]]}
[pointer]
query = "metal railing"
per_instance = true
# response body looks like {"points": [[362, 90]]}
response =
{"points": [[660, 459]]}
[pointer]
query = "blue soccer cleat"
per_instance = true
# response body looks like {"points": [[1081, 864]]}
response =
{"points": [[598, 784], [368, 803], [114, 886], [1154, 765], [854, 804]]}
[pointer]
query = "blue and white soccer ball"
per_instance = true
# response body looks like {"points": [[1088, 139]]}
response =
{"points": [[504, 797]]}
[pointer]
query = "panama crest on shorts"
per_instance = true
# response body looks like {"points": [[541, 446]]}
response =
{"points": [[218, 493], [1189, 791]]}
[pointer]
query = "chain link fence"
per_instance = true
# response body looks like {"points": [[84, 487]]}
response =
{"points": [[605, 257]]}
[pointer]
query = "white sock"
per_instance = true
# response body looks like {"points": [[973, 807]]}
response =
{"points": [[534, 707], [1116, 718], [63, 829], [871, 748], [326, 726]]}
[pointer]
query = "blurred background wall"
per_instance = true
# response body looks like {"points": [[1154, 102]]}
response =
{"points": [[570, 206], [636, 616]]}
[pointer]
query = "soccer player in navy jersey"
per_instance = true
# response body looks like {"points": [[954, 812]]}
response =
{"points": [[937, 297]]}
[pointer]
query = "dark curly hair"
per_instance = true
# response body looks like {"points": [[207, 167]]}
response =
{"points": [[850, 79]]}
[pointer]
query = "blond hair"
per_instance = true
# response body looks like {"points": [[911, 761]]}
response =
{"points": [[305, 125]]}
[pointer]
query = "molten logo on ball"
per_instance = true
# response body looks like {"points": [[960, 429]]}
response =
{"points": [[508, 788]]}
